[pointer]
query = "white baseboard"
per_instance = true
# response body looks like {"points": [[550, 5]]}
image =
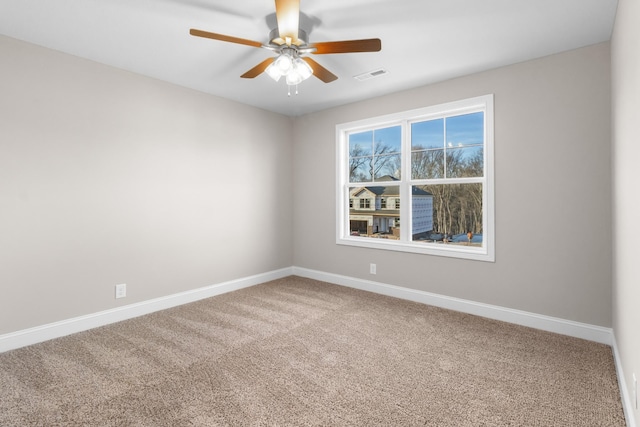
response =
{"points": [[552, 324], [77, 324], [627, 404], [598, 334], [49, 331]]}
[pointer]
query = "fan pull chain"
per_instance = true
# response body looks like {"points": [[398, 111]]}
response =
{"points": [[289, 90]]}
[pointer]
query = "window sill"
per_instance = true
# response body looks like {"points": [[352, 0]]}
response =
{"points": [[450, 250]]}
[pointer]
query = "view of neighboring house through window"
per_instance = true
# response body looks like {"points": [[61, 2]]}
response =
{"points": [[439, 160]]}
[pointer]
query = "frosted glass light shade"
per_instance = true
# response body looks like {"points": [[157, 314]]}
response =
{"points": [[284, 63], [294, 78], [303, 68], [290, 65], [273, 72]]}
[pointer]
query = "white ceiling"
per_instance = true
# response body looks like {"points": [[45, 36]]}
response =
{"points": [[423, 41]]}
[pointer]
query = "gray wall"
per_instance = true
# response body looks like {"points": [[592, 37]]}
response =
{"points": [[553, 182], [625, 54], [107, 177]]}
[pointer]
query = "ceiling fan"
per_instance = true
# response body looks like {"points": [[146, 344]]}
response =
{"points": [[290, 43]]}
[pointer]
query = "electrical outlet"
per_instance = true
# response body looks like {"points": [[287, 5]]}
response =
{"points": [[121, 290], [372, 268]]}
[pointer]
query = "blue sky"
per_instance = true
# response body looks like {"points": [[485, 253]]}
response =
{"points": [[461, 136], [390, 136], [464, 130]]}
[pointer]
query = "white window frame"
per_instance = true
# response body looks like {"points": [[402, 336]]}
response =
{"points": [[404, 119]]}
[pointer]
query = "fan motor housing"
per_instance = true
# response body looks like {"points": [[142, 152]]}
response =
{"points": [[274, 38]]}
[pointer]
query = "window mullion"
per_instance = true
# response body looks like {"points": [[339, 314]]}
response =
{"points": [[405, 186], [444, 147], [463, 180]]}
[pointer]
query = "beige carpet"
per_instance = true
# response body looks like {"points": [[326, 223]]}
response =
{"points": [[298, 352]]}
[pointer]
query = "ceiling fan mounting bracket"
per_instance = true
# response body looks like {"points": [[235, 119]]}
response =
{"points": [[275, 39]]}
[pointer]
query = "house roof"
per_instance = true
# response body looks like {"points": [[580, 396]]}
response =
{"points": [[389, 190]]}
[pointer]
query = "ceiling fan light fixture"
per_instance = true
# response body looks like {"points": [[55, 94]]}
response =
{"points": [[273, 72], [303, 68], [290, 65], [284, 62], [298, 73], [294, 78]]}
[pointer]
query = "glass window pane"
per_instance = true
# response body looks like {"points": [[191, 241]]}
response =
{"points": [[361, 156], [360, 169], [421, 212], [465, 130], [427, 164], [387, 149], [387, 167], [429, 134], [361, 144], [465, 162], [375, 212], [388, 140], [455, 217]]}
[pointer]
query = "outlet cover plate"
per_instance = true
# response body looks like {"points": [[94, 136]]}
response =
{"points": [[121, 290]]}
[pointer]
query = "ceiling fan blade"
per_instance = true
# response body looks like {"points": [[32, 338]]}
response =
{"points": [[288, 16], [258, 69], [319, 71], [347, 46], [222, 37]]}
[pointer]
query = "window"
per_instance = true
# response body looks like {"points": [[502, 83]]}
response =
{"points": [[431, 169]]}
